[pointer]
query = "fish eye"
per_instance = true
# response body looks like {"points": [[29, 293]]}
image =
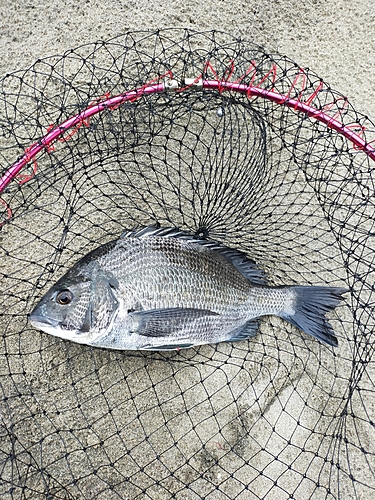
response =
{"points": [[64, 297]]}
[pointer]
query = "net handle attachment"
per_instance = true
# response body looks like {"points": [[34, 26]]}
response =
{"points": [[252, 91]]}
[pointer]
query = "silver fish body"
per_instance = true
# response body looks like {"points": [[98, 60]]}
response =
{"points": [[165, 289]]}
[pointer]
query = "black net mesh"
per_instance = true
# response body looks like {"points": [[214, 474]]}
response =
{"points": [[280, 416]]}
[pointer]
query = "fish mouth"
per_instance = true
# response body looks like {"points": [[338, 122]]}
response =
{"points": [[40, 321]]}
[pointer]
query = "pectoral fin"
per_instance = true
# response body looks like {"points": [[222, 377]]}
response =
{"points": [[166, 322]]}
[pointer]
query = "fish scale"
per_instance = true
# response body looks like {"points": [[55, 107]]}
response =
{"points": [[162, 288], [176, 267]]}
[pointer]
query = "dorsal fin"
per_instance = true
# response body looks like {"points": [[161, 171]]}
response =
{"points": [[241, 262]]}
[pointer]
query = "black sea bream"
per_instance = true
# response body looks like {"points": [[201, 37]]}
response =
{"points": [[158, 288]]}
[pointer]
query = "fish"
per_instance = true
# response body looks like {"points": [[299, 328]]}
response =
{"points": [[158, 288]]}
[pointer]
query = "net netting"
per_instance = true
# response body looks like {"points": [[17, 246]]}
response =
{"points": [[215, 136]]}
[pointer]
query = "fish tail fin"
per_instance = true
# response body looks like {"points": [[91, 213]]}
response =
{"points": [[310, 306]]}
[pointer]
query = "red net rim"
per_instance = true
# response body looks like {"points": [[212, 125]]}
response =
{"points": [[110, 103]]}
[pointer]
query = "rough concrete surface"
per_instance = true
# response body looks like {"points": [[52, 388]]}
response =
{"points": [[100, 425]]}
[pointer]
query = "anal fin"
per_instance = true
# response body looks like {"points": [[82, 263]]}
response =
{"points": [[167, 347], [248, 330]]}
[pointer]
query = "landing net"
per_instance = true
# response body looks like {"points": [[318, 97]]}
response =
{"points": [[213, 135]]}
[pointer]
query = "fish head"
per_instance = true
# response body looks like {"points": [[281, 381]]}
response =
{"points": [[79, 308]]}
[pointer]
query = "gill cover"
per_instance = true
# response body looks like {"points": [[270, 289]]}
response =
{"points": [[103, 303]]}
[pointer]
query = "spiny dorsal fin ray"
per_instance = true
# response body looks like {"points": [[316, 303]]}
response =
{"points": [[241, 262]]}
